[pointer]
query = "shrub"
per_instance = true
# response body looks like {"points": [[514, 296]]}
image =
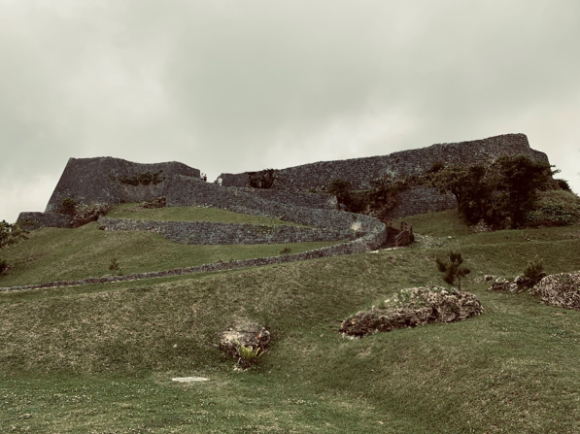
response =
{"points": [[68, 206], [285, 251], [248, 355], [534, 270], [554, 208], [114, 265], [3, 266], [452, 268]]}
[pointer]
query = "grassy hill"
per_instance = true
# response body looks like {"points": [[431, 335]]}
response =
{"points": [[100, 358], [54, 254]]}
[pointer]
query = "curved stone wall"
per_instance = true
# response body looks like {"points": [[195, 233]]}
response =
{"points": [[208, 233], [367, 242]]}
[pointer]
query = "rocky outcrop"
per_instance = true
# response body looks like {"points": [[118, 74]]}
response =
{"points": [[414, 307], [560, 290]]}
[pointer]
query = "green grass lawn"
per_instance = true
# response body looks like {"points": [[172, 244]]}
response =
{"points": [[191, 214], [100, 358]]}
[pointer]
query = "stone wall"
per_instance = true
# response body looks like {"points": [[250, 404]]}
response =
{"points": [[360, 245], [113, 180], [421, 200], [309, 200], [360, 171], [208, 233], [35, 220], [193, 193]]}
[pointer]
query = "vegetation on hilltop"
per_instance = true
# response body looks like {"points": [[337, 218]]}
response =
{"points": [[510, 192]]}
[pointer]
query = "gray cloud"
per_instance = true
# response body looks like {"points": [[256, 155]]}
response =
{"points": [[243, 85]]}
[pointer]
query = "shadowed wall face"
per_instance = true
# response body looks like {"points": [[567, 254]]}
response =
{"points": [[361, 171], [113, 180]]}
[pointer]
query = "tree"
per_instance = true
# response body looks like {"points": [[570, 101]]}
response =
{"points": [[501, 193], [520, 178], [9, 234], [469, 185], [452, 268], [341, 189]]}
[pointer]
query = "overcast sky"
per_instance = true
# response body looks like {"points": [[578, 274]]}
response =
{"points": [[238, 85]]}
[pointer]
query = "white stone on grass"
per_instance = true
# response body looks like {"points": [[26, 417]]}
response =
{"points": [[190, 379]]}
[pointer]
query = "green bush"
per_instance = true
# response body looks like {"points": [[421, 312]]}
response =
{"points": [[554, 208], [534, 270], [68, 206]]}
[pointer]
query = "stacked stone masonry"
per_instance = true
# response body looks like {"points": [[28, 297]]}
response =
{"points": [[207, 233], [361, 171]]}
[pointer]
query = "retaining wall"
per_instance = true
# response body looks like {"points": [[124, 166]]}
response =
{"points": [[369, 241], [421, 200], [206, 194], [207, 233], [35, 220], [361, 171]]}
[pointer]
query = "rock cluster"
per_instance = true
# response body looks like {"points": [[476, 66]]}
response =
{"points": [[561, 290], [244, 334], [89, 213], [515, 286], [160, 202], [413, 307]]}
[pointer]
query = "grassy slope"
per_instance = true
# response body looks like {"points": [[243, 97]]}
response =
{"points": [[54, 254], [191, 214], [512, 370]]}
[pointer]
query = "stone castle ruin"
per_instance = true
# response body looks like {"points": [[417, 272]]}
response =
{"points": [[295, 194], [286, 192]]}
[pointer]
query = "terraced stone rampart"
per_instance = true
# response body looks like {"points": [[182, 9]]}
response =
{"points": [[209, 233]]}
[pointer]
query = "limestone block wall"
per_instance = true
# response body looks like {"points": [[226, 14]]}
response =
{"points": [[309, 200], [360, 245], [208, 233], [35, 220], [192, 193], [108, 180], [420, 200], [360, 171]]}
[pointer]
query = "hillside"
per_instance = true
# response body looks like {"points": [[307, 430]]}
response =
{"points": [[100, 358]]}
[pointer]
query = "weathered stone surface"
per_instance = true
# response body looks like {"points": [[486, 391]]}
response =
{"points": [[413, 307], [247, 334], [208, 233], [561, 290], [36, 220], [114, 180], [361, 171], [517, 285], [89, 214]]}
